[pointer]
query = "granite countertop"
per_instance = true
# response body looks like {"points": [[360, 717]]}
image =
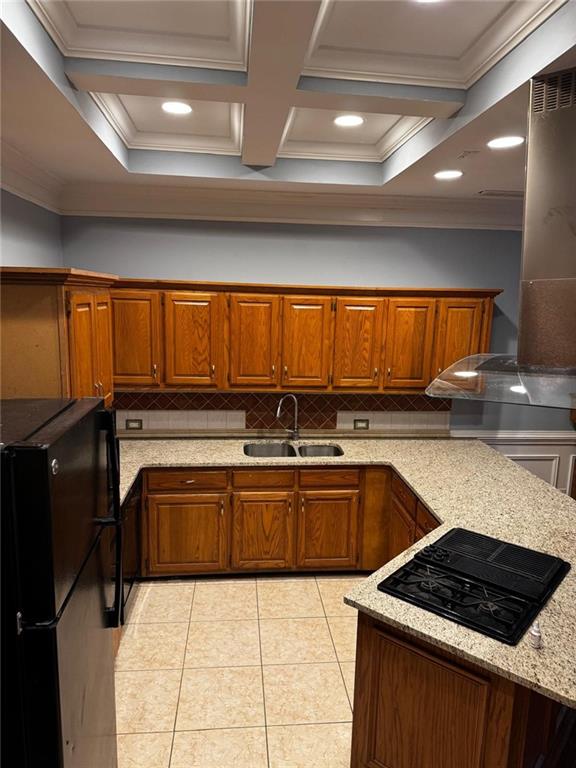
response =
{"points": [[464, 483]]}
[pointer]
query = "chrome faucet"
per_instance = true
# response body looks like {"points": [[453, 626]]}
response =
{"points": [[295, 434]]}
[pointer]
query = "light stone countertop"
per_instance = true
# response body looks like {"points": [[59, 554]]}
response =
{"points": [[464, 483]]}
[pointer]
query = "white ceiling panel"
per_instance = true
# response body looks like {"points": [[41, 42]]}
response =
{"points": [[207, 33]]}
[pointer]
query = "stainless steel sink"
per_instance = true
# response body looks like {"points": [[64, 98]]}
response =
{"points": [[269, 449], [320, 450]]}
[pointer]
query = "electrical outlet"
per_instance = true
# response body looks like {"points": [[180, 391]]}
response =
{"points": [[133, 423], [361, 423]]}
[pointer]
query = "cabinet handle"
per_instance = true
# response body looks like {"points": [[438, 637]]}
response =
{"points": [[290, 507], [375, 372], [273, 369], [96, 387], [188, 482], [439, 370], [213, 370], [155, 371], [389, 372], [302, 504], [285, 370], [222, 509], [101, 388]]}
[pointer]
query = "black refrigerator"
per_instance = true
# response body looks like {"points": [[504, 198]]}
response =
{"points": [[61, 583]]}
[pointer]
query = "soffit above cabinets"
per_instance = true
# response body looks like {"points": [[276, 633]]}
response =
{"points": [[206, 33], [437, 43]]}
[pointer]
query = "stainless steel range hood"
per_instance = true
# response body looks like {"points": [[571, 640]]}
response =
{"points": [[544, 370]]}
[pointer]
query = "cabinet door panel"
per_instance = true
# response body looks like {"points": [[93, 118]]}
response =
{"points": [[187, 532], [192, 338], [103, 330], [458, 331], [83, 345], [358, 342], [401, 530], [262, 530], [327, 529], [136, 334], [306, 343], [254, 339], [408, 344]]}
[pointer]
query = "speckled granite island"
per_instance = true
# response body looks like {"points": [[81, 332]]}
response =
{"points": [[464, 483]]}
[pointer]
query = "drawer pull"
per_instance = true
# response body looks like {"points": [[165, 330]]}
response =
{"points": [[187, 482]]}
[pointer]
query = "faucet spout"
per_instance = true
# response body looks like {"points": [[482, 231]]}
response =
{"points": [[295, 433]]}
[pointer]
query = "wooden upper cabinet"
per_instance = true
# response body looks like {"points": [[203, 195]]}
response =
{"points": [[262, 530], [136, 337], [358, 342], [458, 331], [103, 331], [82, 327], [408, 343], [254, 340], [194, 338], [306, 342]]}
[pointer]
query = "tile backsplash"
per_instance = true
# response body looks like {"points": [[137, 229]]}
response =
{"points": [[255, 410]]}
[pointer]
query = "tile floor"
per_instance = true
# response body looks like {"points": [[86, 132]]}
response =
{"points": [[245, 673]]}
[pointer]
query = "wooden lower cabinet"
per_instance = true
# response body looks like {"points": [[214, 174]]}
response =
{"points": [[416, 707], [328, 529], [262, 530], [401, 529], [187, 533]]}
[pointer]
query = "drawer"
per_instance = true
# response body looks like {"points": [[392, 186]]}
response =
{"points": [[329, 478], [425, 519], [404, 494], [187, 480], [257, 478]]}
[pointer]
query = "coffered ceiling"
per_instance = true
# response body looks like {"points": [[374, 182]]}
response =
{"points": [[265, 80]]}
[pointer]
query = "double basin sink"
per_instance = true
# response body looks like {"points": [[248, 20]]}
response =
{"points": [[282, 450]]}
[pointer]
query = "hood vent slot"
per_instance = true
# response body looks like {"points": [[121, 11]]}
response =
{"points": [[553, 92]]}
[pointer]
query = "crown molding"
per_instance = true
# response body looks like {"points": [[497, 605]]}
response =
{"points": [[26, 179], [73, 39]]}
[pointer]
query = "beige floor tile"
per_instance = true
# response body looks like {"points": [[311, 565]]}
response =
{"points": [[343, 631], [223, 644], [348, 671], [310, 746], [144, 750], [220, 698], [295, 641], [332, 592], [288, 599], [152, 646], [305, 693], [146, 701], [224, 600], [228, 748], [162, 602]]}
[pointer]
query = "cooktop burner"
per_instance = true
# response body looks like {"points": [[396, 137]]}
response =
{"points": [[482, 583]]}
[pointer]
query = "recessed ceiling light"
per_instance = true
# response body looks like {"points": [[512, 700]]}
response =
{"points": [[348, 121], [466, 374], [446, 175], [505, 142], [176, 108], [519, 388]]}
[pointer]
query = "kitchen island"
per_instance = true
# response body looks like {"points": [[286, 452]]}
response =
{"points": [[463, 483]]}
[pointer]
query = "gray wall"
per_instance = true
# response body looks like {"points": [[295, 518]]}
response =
{"points": [[29, 234]]}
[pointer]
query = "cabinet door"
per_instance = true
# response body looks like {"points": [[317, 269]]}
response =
{"points": [[457, 331], [306, 341], [82, 324], [262, 530], [358, 342], [254, 339], [136, 336], [327, 529], [401, 529], [408, 343], [103, 331], [193, 338], [187, 532]]}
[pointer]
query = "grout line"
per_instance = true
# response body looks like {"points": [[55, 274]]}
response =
{"points": [[335, 651], [182, 675], [262, 681]]}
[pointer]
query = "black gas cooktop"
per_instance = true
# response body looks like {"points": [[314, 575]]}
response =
{"points": [[488, 585]]}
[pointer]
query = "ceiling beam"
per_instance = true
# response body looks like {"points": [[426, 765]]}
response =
{"points": [[378, 98], [554, 38], [281, 33], [161, 80]]}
